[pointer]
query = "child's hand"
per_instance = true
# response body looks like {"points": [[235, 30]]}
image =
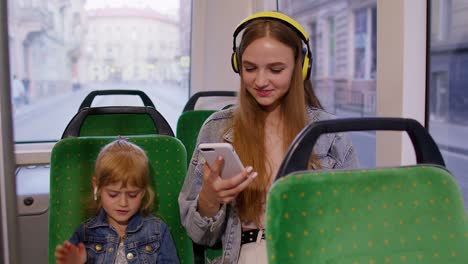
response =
{"points": [[70, 254]]}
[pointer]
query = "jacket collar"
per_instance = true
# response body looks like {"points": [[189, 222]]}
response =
{"points": [[136, 222], [228, 136]]}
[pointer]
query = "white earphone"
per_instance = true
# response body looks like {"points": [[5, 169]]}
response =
{"points": [[95, 193]]}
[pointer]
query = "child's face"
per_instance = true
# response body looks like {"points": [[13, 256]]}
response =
{"points": [[121, 203]]}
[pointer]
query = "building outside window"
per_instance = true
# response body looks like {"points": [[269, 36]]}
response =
{"points": [[331, 46], [447, 85], [343, 36], [365, 43], [62, 50], [360, 41]]}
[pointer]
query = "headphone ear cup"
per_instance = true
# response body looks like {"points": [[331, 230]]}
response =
{"points": [[234, 64]]}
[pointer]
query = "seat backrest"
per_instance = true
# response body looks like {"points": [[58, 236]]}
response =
{"points": [[191, 120], [392, 215], [117, 120], [395, 215], [188, 127], [72, 165]]}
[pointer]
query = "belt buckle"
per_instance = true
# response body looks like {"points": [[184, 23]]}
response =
{"points": [[250, 236]]}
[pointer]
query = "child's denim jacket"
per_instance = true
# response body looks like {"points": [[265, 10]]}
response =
{"points": [[147, 240]]}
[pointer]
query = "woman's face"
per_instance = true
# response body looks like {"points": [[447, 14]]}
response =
{"points": [[267, 68]]}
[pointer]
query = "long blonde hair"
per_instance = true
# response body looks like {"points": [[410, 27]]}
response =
{"points": [[249, 118], [125, 162]]}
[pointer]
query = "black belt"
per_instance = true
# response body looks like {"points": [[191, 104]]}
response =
{"points": [[250, 236]]}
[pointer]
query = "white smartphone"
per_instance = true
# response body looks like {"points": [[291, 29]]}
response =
{"points": [[232, 163]]}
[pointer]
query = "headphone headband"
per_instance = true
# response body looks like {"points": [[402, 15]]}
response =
{"points": [[273, 15], [286, 20]]}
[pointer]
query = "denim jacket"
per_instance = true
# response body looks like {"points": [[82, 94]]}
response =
{"points": [[332, 150], [146, 240]]}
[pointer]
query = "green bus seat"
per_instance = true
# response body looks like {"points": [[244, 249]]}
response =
{"points": [[188, 127], [117, 120], [405, 215], [72, 165], [191, 120], [411, 214]]}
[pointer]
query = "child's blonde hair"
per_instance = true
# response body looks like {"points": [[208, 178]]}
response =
{"points": [[125, 162]]}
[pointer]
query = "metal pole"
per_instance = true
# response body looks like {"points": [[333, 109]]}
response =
{"points": [[8, 224]]}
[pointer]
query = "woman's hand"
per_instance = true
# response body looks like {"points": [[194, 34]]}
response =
{"points": [[70, 254], [216, 191]]}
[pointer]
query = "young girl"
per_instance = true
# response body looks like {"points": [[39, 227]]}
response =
{"points": [[275, 103], [123, 231]]}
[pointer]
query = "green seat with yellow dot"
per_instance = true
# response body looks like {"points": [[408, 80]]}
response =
{"points": [[72, 166], [191, 120], [188, 126], [410, 214], [117, 120]]}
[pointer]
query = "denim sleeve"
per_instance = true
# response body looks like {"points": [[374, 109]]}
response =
{"points": [[202, 230], [167, 251], [335, 150], [77, 236], [342, 148]]}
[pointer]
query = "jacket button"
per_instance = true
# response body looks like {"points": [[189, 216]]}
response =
{"points": [[129, 256], [148, 248], [110, 249], [98, 247]]}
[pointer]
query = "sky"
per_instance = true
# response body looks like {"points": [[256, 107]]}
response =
{"points": [[163, 6]]}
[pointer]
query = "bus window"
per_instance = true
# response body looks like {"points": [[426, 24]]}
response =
{"points": [[62, 50], [343, 40], [446, 86]]}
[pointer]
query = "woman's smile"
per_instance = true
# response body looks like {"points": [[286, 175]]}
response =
{"points": [[263, 92]]}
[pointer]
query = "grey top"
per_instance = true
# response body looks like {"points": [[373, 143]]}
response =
{"points": [[334, 151], [120, 258]]}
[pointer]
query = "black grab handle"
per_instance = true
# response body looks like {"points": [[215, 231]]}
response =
{"points": [[73, 128], [90, 97], [298, 154], [190, 105]]}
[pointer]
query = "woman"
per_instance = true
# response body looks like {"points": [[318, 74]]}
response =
{"points": [[274, 105]]}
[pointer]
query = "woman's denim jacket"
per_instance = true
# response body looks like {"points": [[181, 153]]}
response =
{"points": [[147, 240], [333, 151]]}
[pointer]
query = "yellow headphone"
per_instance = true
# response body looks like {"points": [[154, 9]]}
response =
{"points": [[306, 64]]}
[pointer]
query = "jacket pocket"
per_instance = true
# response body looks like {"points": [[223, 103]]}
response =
{"points": [[95, 252], [148, 252]]}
